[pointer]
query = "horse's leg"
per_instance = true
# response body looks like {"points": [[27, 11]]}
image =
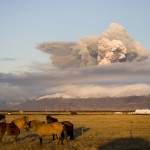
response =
{"points": [[53, 136], [60, 138], [40, 138], [71, 135], [1, 137], [56, 136], [15, 140], [2, 132]]}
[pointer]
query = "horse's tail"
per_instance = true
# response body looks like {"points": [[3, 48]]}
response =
{"points": [[64, 132]]}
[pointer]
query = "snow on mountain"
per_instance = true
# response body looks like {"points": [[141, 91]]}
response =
{"points": [[57, 95]]}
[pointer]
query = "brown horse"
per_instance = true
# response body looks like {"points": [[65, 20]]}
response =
{"points": [[42, 129], [2, 117], [9, 129], [22, 122]]}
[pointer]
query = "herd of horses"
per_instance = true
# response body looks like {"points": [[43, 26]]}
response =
{"points": [[59, 130]]}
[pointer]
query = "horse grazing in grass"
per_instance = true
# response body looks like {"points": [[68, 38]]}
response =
{"points": [[51, 119], [13, 128], [22, 122], [42, 129], [2, 117], [9, 129]]}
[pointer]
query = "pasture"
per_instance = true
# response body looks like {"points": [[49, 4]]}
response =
{"points": [[92, 131]]}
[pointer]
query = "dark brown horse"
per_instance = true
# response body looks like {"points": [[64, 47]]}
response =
{"points": [[51, 119], [69, 129], [9, 129], [2, 117]]}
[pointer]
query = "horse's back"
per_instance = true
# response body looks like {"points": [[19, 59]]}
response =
{"points": [[51, 119], [67, 123], [45, 129], [34, 124], [49, 129], [59, 127]]}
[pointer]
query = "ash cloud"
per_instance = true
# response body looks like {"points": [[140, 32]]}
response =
{"points": [[114, 45]]}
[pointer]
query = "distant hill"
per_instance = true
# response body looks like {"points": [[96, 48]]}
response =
{"points": [[88, 104]]}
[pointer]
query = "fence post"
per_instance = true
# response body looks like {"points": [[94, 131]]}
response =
{"points": [[82, 131]]}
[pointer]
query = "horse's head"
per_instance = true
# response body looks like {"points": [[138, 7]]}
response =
{"points": [[26, 123], [50, 119]]}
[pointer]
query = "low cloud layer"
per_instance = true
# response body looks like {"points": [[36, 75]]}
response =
{"points": [[97, 91], [118, 79], [114, 45]]}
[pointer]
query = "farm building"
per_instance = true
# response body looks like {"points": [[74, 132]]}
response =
{"points": [[142, 111]]}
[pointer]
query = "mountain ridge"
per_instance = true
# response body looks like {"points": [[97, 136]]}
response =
{"points": [[130, 103]]}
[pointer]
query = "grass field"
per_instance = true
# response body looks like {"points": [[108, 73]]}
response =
{"points": [[92, 132]]}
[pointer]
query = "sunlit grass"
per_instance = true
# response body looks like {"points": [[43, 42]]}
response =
{"points": [[99, 132]]}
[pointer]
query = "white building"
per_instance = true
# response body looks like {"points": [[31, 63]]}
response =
{"points": [[142, 111]]}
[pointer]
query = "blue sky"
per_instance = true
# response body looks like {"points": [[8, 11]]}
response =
{"points": [[26, 23], [26, 70]]}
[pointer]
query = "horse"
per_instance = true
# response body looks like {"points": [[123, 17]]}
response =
{"points": [[22, 122], [9, 129], [51, 119], [69, 129], [68, 126], [43, 129], [2, 117]]}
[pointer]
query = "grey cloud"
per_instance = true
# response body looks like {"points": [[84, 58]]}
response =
{"points": [[94, 50], [123, 73], [64, 54], [105, 75]]}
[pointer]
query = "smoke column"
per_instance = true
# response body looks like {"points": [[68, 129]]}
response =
{"points": [[114, 45]]}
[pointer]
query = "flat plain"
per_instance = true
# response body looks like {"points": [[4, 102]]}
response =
{"points": [[93, 131]]}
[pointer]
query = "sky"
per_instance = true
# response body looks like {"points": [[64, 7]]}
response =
{"points": [[41, 42]]}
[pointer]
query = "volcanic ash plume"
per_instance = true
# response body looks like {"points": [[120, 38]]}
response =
{"points": [[117, 34], [114, 45], [110, 51]]}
